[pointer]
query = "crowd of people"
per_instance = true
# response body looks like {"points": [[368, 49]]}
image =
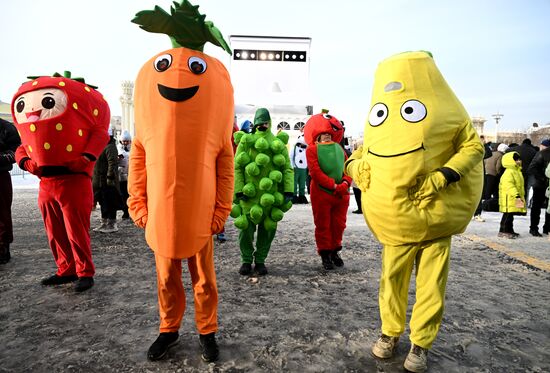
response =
{"points": [[515, 181]]}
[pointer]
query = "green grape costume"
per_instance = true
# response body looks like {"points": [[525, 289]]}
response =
{"points": [[263, 186]]}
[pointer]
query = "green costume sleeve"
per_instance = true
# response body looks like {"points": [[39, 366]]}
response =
{"points": [[288, 174], [239, 171]]}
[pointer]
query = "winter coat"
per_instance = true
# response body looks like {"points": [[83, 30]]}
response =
{"points": [[106, 167], [123, 158], [537, 167], [547, 172], [511, 185], [527, 153], [493, 164], [9, 141], [298, 154]]}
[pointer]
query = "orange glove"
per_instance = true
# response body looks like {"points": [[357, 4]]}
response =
{"points": [[141, 222]]}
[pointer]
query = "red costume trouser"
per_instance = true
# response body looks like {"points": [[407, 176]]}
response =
{"points": [[329, 214], [171, 293], [66, 204]]}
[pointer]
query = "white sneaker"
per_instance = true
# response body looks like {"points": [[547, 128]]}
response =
{"points": [[479, 218], [417, 359], [384, 346]]}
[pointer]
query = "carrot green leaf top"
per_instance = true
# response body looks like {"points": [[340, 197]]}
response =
{"points": [[185, 26]]}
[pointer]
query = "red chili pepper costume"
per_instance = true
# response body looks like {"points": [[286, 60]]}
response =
{"points": [[329, 185], [61, 150]]}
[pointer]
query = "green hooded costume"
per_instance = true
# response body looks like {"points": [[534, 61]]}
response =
{"points": [[263, 186]]}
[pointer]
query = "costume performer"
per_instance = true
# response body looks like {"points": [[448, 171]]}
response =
{"points": [[63, 124], [180, 176], [263, 190], [421, 176], [329, 186], [298, 161]]}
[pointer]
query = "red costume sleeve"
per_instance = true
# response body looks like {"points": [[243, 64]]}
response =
{"points": [[315, 171]]}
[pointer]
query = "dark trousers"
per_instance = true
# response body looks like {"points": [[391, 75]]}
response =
{"points": [[538, 203], [357, 195], [6, 198], [124, 194], [507, 222], [109, 200], [491, 188]]}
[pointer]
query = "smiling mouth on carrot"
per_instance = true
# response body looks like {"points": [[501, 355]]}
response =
{"points": [[177, 94]]}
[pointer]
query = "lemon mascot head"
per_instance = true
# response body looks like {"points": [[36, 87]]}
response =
{"points": [[421, 161]]}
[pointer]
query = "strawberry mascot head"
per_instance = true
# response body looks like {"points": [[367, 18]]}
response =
{"points": [[56, 116]]}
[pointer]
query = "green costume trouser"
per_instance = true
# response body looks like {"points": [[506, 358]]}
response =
{"points": [[263, 243], [300, 176]]}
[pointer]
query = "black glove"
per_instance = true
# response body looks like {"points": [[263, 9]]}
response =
{"points": [[288, 196], [7, 157], [241, 196]]}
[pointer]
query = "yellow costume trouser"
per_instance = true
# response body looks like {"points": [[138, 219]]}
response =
{"points": [[171, 293], [432, 268]]}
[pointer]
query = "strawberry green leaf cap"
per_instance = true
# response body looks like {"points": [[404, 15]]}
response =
{"points": [[185, 26], [66, 74]]}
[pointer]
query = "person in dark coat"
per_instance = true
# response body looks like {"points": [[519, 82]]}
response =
{"points": [[526, 152], [488, 154], [9, 141], [106, 186], [536, 169]]}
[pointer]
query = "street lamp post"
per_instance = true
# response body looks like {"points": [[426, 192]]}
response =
{"points": [[497, 117]]}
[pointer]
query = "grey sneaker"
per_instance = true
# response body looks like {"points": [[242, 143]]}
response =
{"points": [[102, 226], [384, 346], [110, 227], [417, 359]]}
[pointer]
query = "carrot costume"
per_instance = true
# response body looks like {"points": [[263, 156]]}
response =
{"points": [[180, 177]]}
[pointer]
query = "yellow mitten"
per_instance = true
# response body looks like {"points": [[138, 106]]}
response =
{"points": [[426, 188]]}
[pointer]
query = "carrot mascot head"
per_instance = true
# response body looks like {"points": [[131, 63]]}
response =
{"points": [[183, 85]]}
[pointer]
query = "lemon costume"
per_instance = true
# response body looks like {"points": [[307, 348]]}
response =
{"points": [[420, 172]]}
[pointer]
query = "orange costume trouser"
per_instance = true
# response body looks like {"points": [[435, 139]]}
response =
{"points": [[66, 203], [171, 293]]}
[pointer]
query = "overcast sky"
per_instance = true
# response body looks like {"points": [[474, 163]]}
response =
{"points": [[494, 54]]}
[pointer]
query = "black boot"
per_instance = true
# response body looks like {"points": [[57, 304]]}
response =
{"points": [[260, 269], [325, 258], [303, 200], [335, 258], [5, 255], [160, 346], [83, 283], [209, 347], [246, 269], [58, 280]]}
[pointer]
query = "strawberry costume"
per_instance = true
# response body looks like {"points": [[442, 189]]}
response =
{"points": [[63, 126]]}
